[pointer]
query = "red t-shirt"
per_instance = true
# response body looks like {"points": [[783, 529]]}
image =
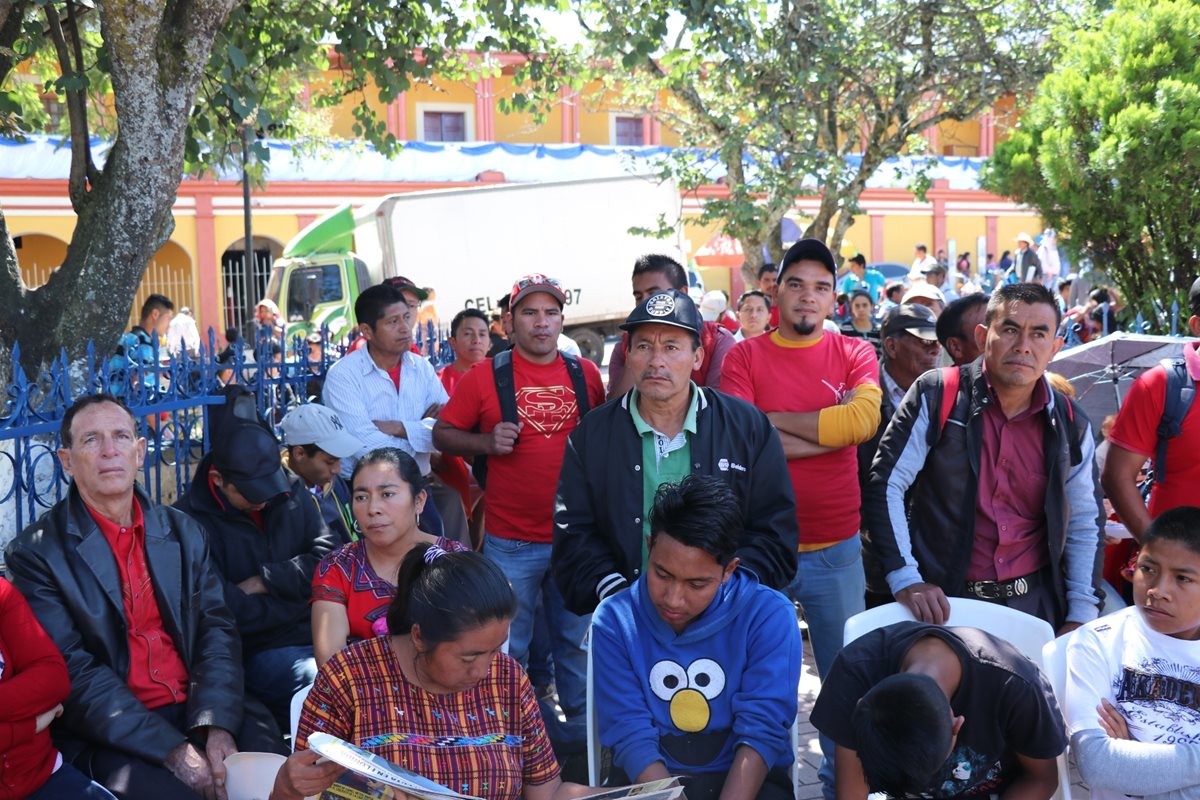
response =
{"points": [[157, 675], [521, 485], [346, 577], [778, 377], [451, 377], [1136, 429]]}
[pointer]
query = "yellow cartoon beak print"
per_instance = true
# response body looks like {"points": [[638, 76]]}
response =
{"points": [[688, 691]]}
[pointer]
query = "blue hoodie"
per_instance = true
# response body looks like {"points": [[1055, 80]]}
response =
{"points": [[689, 700]]}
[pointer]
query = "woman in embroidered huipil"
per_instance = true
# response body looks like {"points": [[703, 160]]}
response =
{"points": [[436, 696], [354, 585]]}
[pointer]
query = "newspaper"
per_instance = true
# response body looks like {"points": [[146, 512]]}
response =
{"points": [[370, 776]]}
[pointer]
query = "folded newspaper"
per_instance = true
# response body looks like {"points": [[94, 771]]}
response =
{"points": [[372, 775]]}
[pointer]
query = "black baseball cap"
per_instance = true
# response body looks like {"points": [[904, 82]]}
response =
{"points": [[1194, 298], [808, 250], [916, 319], [671, 307], [248, 457]]}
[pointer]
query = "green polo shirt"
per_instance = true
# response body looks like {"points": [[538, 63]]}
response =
{"points": [[664, 460]]}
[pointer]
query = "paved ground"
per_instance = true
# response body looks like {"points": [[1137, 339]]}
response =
{"points": [[810, 747]]}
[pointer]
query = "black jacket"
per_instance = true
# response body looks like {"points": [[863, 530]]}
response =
{"points": [[285, 553], [934, 476], [65, 568], [599, 507]]}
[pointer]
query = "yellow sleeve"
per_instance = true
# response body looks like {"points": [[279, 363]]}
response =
{"points": [[852, 423]]}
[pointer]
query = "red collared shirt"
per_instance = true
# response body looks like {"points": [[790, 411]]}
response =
{"points": [[1010, 513], [157, 675]]}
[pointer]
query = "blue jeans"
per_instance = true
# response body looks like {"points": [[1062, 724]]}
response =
{"points": [[68, 783], [274, 675], [527, 567], [830, 584]]}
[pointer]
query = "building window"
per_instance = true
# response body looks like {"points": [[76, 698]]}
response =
{"points": [[445, 126], [628, 132]]}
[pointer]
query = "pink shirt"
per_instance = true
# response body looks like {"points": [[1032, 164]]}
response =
{"points": [[1010, 513]]}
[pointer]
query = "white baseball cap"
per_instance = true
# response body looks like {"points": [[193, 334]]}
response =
{"points": [[313, 423]]}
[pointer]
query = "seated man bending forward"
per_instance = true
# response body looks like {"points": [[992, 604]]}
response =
{"points": [[697, 663]]}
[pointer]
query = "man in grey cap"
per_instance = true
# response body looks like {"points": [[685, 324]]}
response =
{"points": [[910, 349], [266, 542], [663, 429], [316, 441]]}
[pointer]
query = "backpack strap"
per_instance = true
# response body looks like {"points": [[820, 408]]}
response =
{"points": [[1181, 390], [502, 373], [578, 383], [951, 378]]}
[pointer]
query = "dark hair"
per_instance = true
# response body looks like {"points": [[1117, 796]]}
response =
{"points": [[1194, 296], [1062, 283], [84, 402], [765, 268], [859, 258], [503, 302], [404, 464], [1104, 316], [373, 301], [232, 335], [669, 267], [155, 302], [861, 293], [753, 293], [699, 511], [448, 594], [466, 313], [895, 288], [949, 324], [1100, 295], [903, 729], [309, 450], [1029, 293], [1181, 524], [1004, 254], [923, 248]]}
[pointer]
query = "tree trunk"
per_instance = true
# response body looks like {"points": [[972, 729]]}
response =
{"points": [[158, 56]]}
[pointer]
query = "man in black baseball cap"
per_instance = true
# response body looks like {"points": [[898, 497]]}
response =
{"points": [[266, 542], [663, 429]]}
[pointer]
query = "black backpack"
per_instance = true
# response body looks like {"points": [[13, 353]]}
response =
{"points": [[502, 372], [1181, 390]]}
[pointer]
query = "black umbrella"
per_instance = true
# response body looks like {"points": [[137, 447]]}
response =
{"points": [[1103, 369]]}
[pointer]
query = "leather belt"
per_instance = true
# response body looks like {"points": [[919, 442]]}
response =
{"points": [[1004, 590]]}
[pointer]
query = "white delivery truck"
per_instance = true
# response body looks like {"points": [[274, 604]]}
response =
{"points": [[471, 244]]}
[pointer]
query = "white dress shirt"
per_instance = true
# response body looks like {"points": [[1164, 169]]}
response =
{"points": [[360, 392]]}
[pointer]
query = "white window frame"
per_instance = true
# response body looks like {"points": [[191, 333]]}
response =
{"points": [[612, 125], [466, 109]]}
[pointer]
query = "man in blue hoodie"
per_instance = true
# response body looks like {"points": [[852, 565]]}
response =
{"points": [[697, 666]]}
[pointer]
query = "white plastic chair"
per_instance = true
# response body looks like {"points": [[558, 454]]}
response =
{"points": [[1023, 631], [297, 705], [1027, 633], [251, 776]]}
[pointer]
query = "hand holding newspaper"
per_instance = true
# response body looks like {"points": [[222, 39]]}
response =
{"points": [[379, 773]]}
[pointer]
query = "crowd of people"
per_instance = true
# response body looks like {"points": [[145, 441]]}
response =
{"points": [[430, 556]]}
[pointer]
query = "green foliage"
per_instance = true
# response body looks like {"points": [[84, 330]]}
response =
{"points": [[1110, 148], [784, 92]]}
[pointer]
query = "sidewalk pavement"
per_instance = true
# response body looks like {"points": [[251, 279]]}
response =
{"points": [[810, 746]]}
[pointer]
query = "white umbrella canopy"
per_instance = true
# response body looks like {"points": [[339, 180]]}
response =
{"points": [[1103, 369]]}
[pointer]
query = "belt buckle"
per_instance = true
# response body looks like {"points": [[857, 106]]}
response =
{"points": [[1020, 586], [985, 590]]}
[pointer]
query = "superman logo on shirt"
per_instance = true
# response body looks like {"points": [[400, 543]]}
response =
{"points": [[547, 409]]}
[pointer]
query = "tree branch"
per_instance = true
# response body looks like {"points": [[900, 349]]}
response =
{"points": [[81, 151]]}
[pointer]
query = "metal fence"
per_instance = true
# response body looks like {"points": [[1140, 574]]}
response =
{"points": [[171, 399]]}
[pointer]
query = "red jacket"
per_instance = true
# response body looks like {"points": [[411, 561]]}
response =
{"points": [[34, 680]]}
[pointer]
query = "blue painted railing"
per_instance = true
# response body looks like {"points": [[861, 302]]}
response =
{"points": [[170, 398]]}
